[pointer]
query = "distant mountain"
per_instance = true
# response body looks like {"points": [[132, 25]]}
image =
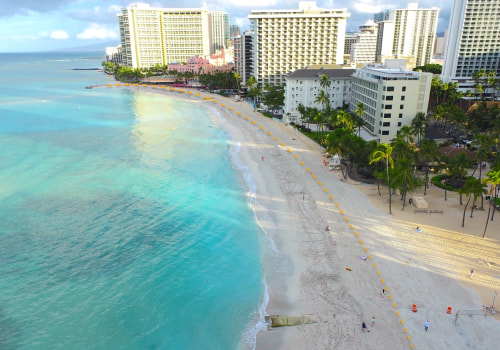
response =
{"points": [[101, 47]]}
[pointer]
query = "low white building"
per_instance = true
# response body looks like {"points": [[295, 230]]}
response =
{"points": [[303, 86], [392, 97]]}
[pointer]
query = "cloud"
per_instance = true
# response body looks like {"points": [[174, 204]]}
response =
{"points": [[22, 7], [97, 31], [59, 34], [371, 6], [97, 14]]}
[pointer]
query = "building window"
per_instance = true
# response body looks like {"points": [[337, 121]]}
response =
{"points": [[385, 132], [401, 106], [399, 123], [389, 98], [400, 115], [388, 106], [387, 115], [403, 88], [390, 88], [402, 98], [386, 124]]}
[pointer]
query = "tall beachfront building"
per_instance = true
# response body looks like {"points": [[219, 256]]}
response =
{"points": [[392, 97], [412, 31], [473, 41], [219, 26], [243, 55], [287, 40], [364, 49], [151, 36]]}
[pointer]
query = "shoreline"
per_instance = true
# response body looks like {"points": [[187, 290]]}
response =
{"points": [[428, 269]]}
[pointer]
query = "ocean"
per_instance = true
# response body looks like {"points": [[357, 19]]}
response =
{"points": [[126, 217]]}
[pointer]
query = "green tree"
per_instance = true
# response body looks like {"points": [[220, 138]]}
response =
{"points": [[494, 180], [418, 126], [274, 98], [324, 81], [359, 112], [383, 153], [427, 154], [404, 177], [430, 67], [458, 170], [322, 98], [484, 145]]}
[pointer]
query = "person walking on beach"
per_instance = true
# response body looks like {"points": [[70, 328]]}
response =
{"points": [[426, 325], [262, 158], [373, 321], [363, 326], [471, 273]]}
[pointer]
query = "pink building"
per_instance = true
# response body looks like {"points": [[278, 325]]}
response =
{"points": [[196, 64]]}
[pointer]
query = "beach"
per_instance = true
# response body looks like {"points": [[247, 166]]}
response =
{"points": [[369, 264]]}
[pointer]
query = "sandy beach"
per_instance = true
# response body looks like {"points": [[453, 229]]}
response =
{"points": [[298, 197]]}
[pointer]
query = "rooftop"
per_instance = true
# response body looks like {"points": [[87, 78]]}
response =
{"points": [[316, 73]]}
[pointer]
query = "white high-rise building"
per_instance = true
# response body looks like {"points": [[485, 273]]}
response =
{"points": [[287, 40], [219, 26], [385, 40], [414, 33], [365, 47], [151, 36], [473, 40], [392, 98]]}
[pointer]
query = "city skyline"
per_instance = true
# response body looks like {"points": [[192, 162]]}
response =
{"points": [[49, 25]]}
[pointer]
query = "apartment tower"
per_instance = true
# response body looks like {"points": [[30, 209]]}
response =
{"points": [[364, 49], [287, 40], [219, 26], [473, 40], [414, 33], [243, 55]]}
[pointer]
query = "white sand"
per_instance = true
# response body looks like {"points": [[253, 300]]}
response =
{"points": [[429, 269]]}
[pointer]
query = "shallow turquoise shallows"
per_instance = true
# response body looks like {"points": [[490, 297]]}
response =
{"points": [[125, 222]]}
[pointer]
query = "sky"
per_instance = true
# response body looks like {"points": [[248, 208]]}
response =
{"points": [[48, 25]]}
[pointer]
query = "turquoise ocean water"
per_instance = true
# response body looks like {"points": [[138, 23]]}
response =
{"points": [[125, 220]]}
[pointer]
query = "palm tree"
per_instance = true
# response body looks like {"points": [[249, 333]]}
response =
{"points": [[404, 177], [484, 144], [418, 125], [406, 133], [494, 180], [359, 112], [459, 165], [323, 98], [383, 152], [344, 120], [324, 81], [428, 153], [472, 187]]}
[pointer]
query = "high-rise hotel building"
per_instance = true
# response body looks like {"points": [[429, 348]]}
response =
{"points": [[409, 33], [287, 40], [219, 27], [151, 36], [473, 41], [414, 32]]}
